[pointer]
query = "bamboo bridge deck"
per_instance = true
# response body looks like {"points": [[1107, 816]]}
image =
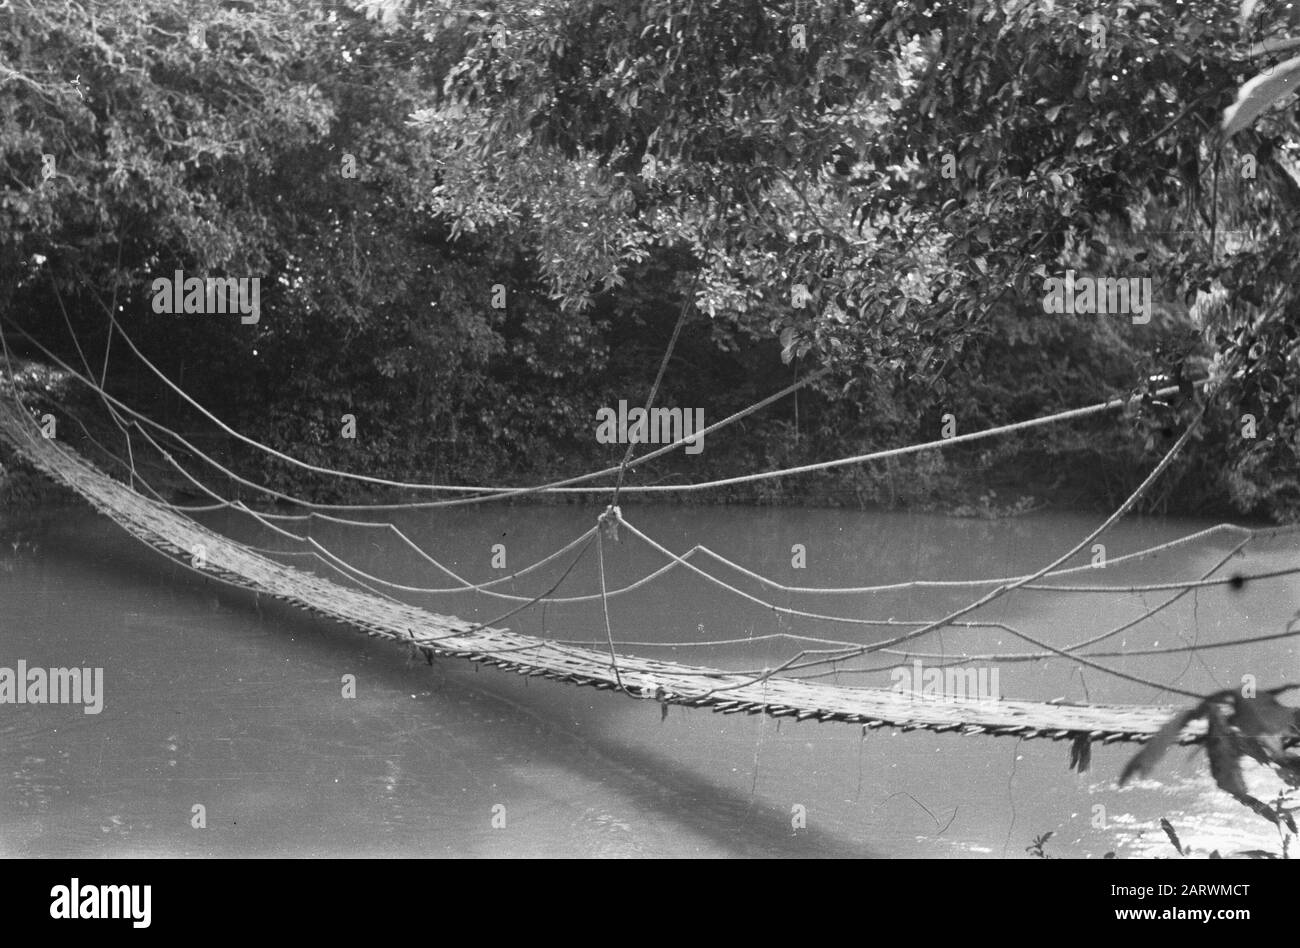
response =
{"points": [[176, 536]]}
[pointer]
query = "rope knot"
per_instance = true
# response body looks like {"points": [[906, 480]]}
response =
{"points": [[609, 521]]}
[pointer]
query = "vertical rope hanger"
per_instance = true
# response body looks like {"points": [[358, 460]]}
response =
{"points": [[608, 520], [659, 377]]}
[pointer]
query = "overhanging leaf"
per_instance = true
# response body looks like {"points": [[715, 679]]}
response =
{"points": [[1173, 837], [1263, 715], [1145, 760], [1081, 754], [1225, 750], [1225, 756], [1259, 94]]}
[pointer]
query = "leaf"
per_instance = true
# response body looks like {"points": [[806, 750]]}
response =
{"points": [[1145, 760], [1259, 94], [1081, 754], [1263, 716], [1225, 753], [1288, 768], [1225, 756], [1173, 837]]}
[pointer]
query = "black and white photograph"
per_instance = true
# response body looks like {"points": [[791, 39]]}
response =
{"points": [[651, 429]]}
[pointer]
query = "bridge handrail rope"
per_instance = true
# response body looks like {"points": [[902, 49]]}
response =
{"points": [[329, 558], [467, 586], [501, 493], [561, 486], [700, 548], [1030, 656], [943, 657], [1003, 589], [491, 493]]}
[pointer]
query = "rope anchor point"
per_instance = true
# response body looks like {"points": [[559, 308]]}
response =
{"points": [[609, 521]]}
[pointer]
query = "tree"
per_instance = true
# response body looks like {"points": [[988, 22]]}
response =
{"points": [[914, 166]]}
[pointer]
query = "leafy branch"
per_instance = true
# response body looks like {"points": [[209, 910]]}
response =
{"points": [[1237, 726]]}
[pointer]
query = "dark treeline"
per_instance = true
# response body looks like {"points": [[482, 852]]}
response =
{"points": [[390, 171]]}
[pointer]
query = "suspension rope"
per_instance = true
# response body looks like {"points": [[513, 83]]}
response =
{"points": [[1006, 588], [674, 561], [562, 486], [604, 595], [1034, 656], [659, 377]]}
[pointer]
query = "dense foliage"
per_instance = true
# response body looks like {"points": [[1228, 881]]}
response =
{"points": [[881, 188]]}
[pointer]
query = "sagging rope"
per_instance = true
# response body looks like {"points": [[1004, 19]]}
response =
{"points": [[491, 493], [1006, 588], [609, 522], [877, 455], [468, 586], [705, 550], [563, 486]]}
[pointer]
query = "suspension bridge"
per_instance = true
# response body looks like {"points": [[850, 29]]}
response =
{"points": [[179, 537], [779, 692]]}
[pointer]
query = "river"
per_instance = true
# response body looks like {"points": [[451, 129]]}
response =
{"points": [[216, 700]]}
